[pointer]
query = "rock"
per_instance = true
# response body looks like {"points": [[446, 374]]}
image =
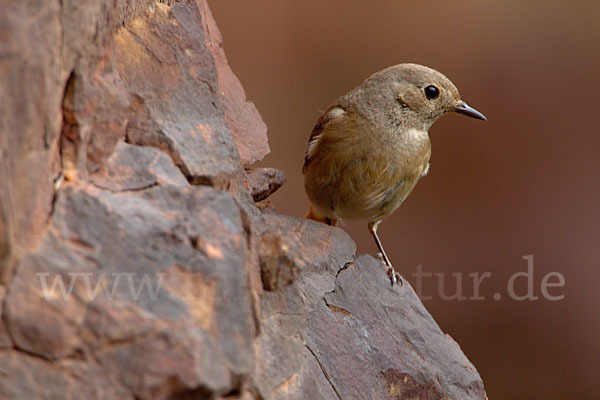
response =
{"points": [[410, 356], [279, 264], [349, 330], [25, 377], [150, 272], [163, 59], [152, 287], [5, 341], [4, 241], [31, 93], [137, 167], [247, 127], [264, 181]]}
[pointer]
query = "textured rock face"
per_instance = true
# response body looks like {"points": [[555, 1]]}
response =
{"points": [[149, 272], [341, 331]]}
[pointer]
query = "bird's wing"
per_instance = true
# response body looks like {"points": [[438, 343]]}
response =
{"points": [[332, 113]]}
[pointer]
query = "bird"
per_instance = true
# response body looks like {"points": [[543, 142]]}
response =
{"points": [[371, 146]]}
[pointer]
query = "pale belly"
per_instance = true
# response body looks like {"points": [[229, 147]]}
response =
{"points": [[377, 198]]}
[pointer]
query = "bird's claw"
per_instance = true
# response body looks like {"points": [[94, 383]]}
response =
{"points": [[395, 277]]}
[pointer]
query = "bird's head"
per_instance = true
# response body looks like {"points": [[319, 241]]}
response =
{"points": [[419, 95]]}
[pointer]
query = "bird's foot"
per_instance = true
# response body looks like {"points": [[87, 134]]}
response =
{"points": [[395, 277]]}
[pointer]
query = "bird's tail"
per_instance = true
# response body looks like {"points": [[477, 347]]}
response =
{"points": [[315, 215]]}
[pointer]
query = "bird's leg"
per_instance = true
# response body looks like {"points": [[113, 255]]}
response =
{"points": [[394, 276]]}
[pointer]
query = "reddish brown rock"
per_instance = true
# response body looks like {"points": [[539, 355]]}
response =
{"points": [[163, 59], [150, 273], [137, 167], [31, 92], [152, 289], [25, 377], [247, 127], [342, 325], [5, 341], [409, 354], [264, 181]]}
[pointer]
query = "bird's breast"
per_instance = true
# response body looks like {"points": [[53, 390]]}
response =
{"points": [[392, 178], [414, 141]]}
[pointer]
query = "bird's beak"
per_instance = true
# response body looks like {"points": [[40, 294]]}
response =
{"points": [[464, 108]]}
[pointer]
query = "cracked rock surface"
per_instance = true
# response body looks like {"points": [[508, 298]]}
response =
{"points": [[149, 271]]}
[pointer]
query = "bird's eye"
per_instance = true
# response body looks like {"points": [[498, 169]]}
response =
{"points": [[432, 92]]}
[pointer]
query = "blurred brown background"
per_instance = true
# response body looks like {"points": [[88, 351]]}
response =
{"points": [[525, 182]]}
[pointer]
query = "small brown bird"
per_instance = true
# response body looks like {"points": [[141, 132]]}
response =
{"points": [[370, 148]]}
